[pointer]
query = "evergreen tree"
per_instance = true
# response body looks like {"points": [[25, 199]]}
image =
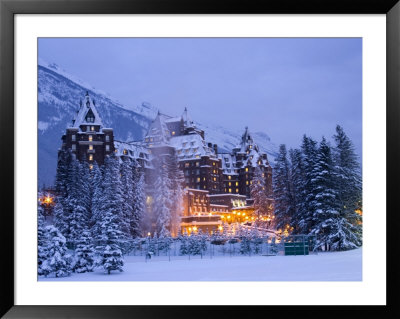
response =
{"points": [[324, 203], [184, 249], [177, 182], [349, 188], [57, 261], [84, 259], [110, 252], [110, 216], [284, 206], [96, 193], [42, 243], [138, 204], [259, 194], [297, 181], [307, 195], [127, 184], [163, 198]]}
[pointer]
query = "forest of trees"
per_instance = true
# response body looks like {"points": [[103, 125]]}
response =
{"points": [[318, 191], [106, 206]]}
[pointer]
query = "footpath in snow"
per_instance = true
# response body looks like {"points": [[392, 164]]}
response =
{"points": [[325, 266]]}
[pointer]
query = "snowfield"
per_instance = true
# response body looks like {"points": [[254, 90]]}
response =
{"points": [[324, 266]]}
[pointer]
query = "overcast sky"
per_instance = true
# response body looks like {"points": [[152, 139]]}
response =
{"points": [[285, 87]]}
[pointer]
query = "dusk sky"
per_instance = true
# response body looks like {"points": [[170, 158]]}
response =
{"points": [[285, 87]]}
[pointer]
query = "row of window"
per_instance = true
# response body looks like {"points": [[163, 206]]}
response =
{"points": [[73, 147], [90, 138]]}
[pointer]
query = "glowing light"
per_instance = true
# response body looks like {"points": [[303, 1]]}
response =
{"points": [[194, 228], [229, 217], [148, 234], [220, 227]]}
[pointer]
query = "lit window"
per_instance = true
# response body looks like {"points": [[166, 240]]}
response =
{"points": [[237, 190], [91, 157], [173, 133], [229, 177], [247, 169], [73, 147], [107, 148], [125, 152], [215, 179], [215, 186], [198, 180], [247, 182], [90, 138], [92, 128], [91, 147], [107, 138], [197, 164], [229, 184], [187, 164], [230, 190], [73, 137], [90, 166], [213, 163], [250, 146], [204, 179]]}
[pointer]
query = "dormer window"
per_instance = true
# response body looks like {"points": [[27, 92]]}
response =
{"points": [[125, 152], [91, 157], [89, 117]]}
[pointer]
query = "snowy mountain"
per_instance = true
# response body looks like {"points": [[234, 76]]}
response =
{"points": [[58, 101]]}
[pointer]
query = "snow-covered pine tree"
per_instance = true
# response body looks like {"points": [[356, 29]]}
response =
{"points": [[42, 243], [349, 194], [57, 261], [194, 245], [324, 204], [65, 158], [127, 184], [76, 203], [96, 193], [297, 182], [110, 253], [177, 182], [184, 249], [163, 197], [258, 191], [284, 205], [138, 204], [305, 213], [84, 259], [110, 215]]}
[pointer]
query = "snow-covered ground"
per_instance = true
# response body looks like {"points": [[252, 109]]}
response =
{"points": [[325, 266]]}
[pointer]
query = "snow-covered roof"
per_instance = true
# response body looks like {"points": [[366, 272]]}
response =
{"points": [[191, 146], [134, 151], [87, 113], [158, 131]]}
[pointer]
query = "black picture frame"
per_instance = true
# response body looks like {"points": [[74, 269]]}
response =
{"points": [[8, 10]]}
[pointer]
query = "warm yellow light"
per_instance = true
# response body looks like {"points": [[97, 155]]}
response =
{"points": [[210, 214], [229, 216], [194, 228], [220, 227], [238, 214], [148, 234], [234, 213], [247, 217], [190, 228]]}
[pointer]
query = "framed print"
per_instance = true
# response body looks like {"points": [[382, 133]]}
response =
{"points": [[237, 158]]}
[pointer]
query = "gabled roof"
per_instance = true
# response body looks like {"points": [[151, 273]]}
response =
{"points": [[87, 110], [158, 130]]}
